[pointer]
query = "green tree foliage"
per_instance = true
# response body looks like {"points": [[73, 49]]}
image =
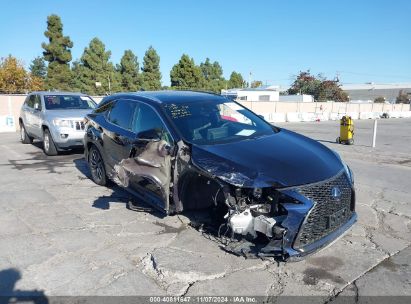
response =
{"points": [[379, 99], [330, 90], [57, 53], [235, 81], [305, 83], [38, 67], [129, 72], [403, 97], [185, 75], [213, 76], [319, 87], [151, 76], [256, 83], [95, 74], [15, 79]]}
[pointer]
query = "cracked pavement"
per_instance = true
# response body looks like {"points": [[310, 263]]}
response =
{"points": [[65, 236]]}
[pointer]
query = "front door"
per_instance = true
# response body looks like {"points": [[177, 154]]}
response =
{"points": [[37, 117], [137, 147]]}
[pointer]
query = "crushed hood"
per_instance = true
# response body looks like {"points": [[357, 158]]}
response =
{"points": [[283, 159]]}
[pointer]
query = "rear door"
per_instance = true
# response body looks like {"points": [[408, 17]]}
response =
{"points": [[117, 134], [28, 109]]}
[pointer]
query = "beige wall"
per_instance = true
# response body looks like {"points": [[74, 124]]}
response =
{"points": [[11, 104], [264, 107]]}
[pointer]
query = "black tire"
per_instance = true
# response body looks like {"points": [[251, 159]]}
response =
{"points": [[24, 137], [48, 144], [96, 165]]}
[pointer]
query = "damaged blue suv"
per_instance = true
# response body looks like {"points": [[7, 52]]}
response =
{"points": [[272, 191]]}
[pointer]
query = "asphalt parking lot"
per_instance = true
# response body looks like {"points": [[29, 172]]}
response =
{"points": [[62, 235]]}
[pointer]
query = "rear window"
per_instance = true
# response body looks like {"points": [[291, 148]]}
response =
{"points": [[61, 102]]}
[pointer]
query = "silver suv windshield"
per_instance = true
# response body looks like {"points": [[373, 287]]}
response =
{"points": [[69, 102], [212, 122]]}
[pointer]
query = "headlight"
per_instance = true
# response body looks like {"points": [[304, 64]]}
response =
{"points": [[349, 173], [62, 123], [346, 168]]}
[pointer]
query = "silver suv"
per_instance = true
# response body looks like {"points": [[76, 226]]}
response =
{"points": [[56, 118]]}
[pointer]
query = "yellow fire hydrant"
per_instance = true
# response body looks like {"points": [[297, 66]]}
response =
{"points": [[346, 131]]}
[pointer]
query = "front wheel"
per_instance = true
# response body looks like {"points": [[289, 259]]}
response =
{"points": [[48, 144], [96, 164]]}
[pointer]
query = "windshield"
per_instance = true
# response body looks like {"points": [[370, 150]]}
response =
{"points": [[213, 122], [61, 102]]}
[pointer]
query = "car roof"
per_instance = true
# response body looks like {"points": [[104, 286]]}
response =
{"points": [[168, 97], [57, 93]]}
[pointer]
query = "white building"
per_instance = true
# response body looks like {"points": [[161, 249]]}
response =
{"points": [[369, 91], [264, 93]]}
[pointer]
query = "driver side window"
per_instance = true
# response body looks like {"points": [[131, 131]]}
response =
{"points": [[145, 119]]}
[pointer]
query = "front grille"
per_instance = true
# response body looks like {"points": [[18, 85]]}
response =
{"points": [[78, 125], [328, 212]]}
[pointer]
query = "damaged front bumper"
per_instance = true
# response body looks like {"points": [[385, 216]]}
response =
{"points": [[312, 217]]}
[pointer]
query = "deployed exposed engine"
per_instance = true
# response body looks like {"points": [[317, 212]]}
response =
{"points": [[245, 223], [254, 211]]}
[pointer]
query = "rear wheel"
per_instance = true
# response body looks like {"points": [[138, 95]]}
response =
{"points": [[24, 137], [96, 164], [48, 144]]}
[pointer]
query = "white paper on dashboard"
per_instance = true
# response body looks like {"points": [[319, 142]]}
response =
{"points": [[245, 132]]}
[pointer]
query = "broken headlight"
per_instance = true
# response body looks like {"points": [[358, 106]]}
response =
{"points": [[349, 173]]}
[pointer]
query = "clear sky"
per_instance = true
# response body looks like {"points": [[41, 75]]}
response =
{"points": [[364, 41]]}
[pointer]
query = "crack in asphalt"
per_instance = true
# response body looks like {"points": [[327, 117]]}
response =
{"points": [[353, 282]]}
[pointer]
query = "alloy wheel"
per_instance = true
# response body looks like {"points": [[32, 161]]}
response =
{"points": [[96, 164], [46, 142]]}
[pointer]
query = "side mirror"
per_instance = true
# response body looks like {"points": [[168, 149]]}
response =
{"points": [[261, 116], [149, 135], [36, 106]]}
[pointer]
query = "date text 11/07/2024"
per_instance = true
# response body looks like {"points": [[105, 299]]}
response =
{"points": [[204, 299]]}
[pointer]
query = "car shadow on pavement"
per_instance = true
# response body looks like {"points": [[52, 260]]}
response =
{"points": [[8, 293], [38, 161], [118, 194]]}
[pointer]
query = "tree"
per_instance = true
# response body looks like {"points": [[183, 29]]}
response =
{"points": [[403, 97], [38, 67], [151, 76], [213, 76], [15, 79], [34, 83], [236, 80], [319, 87], [95, 74], [57, 53], [13, 76], [379, 99], [305, 83], [330, 90], [256, 84], [186, 75], [129, 72]]}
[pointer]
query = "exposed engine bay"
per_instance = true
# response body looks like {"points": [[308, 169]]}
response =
{"points": [[248, 220]]}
